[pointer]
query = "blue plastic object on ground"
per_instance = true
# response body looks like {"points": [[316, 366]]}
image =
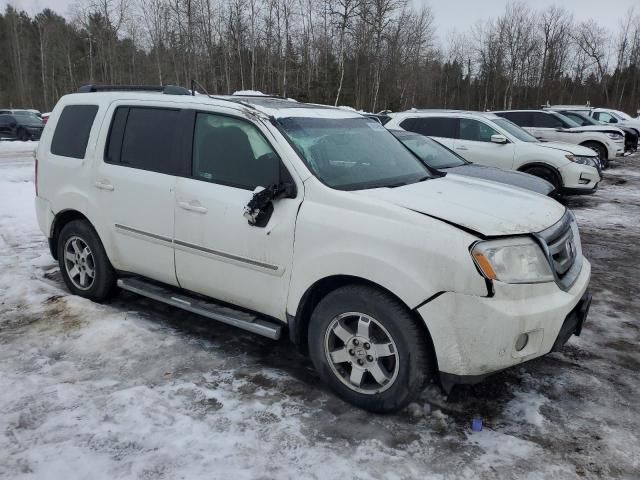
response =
{"points": [[476, 424]]}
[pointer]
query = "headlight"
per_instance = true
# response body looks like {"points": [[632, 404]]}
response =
{"points": [[614, 136], [590, 161], [512, 260]]}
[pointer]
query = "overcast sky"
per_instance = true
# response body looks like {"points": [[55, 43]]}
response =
{"points": [[449, 14], [463, 14]]}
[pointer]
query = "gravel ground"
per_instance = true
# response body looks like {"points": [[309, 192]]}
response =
{"points": [[134, 389]]}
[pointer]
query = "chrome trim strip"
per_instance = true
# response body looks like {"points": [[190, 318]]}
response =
{"points": [[552, 240], [255, 263], [129, 230], [229, 256]]}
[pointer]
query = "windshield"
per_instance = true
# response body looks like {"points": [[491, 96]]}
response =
{"points": [[353, 153], [565, 120], [621, 115], [27, 118], [581, 119], [515, 130], [429, 151]]}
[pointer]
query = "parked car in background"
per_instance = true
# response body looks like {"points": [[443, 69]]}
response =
{"points": [[583, 119], [20, 125], [20, 110], [487, 139], [45, 117], [442, 158], [550, 126], [265, 213], [616, 118]]}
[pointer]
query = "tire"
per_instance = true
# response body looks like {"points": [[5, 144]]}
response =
{"points": [[601, 151], [75, 238], [546, 174], [404, 360], [23, 135]]}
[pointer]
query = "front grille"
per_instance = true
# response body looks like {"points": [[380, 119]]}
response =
{"points": [[561, 243]]}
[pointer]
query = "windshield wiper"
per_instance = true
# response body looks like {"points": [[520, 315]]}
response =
{"points": [[402, 184]]}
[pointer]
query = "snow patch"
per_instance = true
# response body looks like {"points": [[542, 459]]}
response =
{"points": [[252, 93]]}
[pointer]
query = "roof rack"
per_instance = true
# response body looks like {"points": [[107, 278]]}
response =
{"points": [[166, 89]]}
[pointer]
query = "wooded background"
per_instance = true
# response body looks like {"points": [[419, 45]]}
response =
{"points": [[368, 54]]}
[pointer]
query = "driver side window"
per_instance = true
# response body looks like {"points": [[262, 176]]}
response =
{"points": [[233, 152], [475, 131], [605, 117]]}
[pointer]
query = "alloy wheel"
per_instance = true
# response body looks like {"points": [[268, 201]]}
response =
{"points": [[79, 263], [361, 353]]}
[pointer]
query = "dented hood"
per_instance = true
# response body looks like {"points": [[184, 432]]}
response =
{"points": [[484, 207]]}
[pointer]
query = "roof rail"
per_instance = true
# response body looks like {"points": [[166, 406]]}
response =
{"points": [[166, 89]]}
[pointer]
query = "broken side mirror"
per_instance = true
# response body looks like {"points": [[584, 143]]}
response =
{"points": [[260, 208]]}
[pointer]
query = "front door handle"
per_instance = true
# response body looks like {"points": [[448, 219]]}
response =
{"points": [[193, 206], [462, 147], [104, 185]]}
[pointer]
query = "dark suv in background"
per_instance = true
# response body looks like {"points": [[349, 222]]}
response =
{"points": [[21, 125]]}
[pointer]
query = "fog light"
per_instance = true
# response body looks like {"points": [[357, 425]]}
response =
{"points": [[522, 341]]}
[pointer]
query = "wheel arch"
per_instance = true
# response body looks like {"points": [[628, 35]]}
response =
{"points": [[598, 142], [529, 165], [61, 219], [298, 324]]}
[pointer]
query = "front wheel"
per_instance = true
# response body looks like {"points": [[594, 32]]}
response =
{"points": [[369, 349], [546, 174]]}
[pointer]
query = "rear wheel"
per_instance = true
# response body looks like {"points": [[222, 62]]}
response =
{"points": [[546, 174], [84, 265], [601, 151], [368, 348]]}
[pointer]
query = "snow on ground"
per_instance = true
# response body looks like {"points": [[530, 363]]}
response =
{"points": [[16, 150], [133, 389]]}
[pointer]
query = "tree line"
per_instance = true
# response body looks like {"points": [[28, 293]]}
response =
{"points": [[368, 54]]}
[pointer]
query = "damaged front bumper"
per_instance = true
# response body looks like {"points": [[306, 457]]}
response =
{"points": [[474, 337]]}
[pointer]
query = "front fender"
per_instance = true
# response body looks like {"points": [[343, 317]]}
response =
{"points": [[409, 254]]}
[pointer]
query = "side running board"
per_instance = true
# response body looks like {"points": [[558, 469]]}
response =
{"points": [[230, 316]]}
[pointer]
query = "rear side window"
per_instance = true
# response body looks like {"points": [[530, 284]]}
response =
{"points": [[445, 127], [72, 130], [144, 138], [545, 120], [522, 119]]}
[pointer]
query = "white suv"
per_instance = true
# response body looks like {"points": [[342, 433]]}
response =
{"points": [[616, 118], [388, 273], [550, 126], [487, 139]]}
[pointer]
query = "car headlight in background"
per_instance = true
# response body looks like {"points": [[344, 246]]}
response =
{"points": [[512, 260], [614, 136]]}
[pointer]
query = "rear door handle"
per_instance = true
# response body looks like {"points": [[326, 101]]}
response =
{"points": [[193, 206], [104, 185], [462, 147]]}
